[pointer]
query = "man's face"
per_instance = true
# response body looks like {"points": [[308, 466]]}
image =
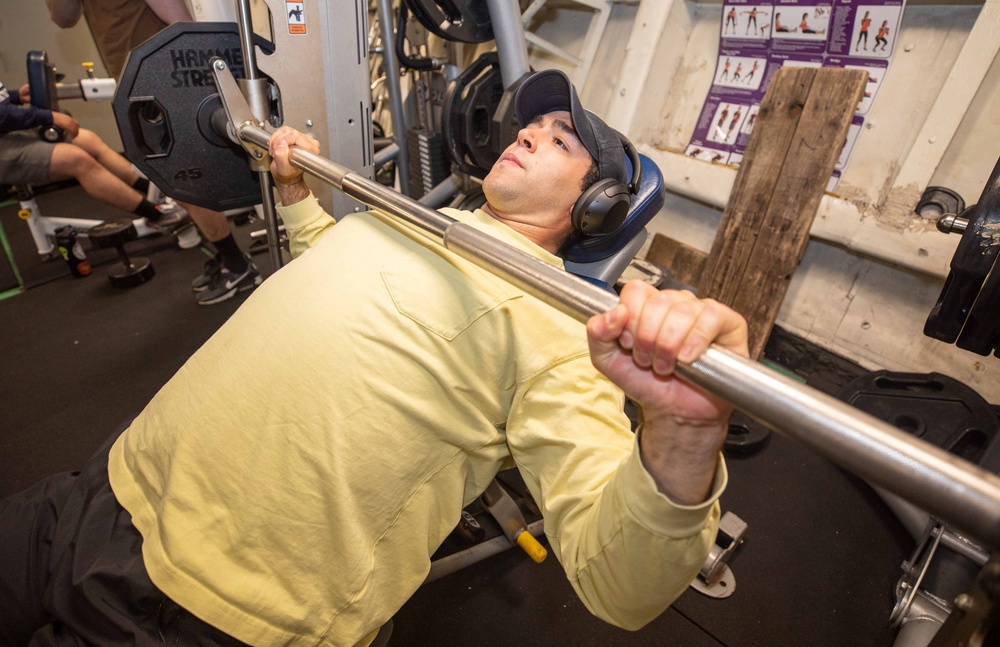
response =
{"points": [[540, 174]]}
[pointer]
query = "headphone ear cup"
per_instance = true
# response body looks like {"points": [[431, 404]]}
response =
{"points": [[601, 208]]}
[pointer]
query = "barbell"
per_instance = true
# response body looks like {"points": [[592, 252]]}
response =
{"points": [[952, 489], [959, 493]]}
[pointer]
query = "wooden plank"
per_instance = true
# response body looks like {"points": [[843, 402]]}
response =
{"points": [[685, 263], [819, 138], [791, 155], [772, 137]]}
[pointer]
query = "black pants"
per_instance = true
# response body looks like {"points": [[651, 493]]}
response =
{"points": [[71, 571]]}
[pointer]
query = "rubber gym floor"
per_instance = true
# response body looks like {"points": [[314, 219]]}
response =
{"points": [[821, 555]]}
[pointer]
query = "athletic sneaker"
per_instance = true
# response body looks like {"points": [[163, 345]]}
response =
{"points": [[228, 283], [212, 268], [167, 205], [170, 218]]}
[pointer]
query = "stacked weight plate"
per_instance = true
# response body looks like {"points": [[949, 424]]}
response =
{"points": [[429, 165], [966, 312]]}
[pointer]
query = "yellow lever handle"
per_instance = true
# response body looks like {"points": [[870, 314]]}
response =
{"points": [[531, 546]]}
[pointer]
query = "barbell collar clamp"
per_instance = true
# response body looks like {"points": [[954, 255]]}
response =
{"points": [[238, 112], [260, 157]]}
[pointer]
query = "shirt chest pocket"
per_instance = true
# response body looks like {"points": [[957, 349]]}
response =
{"points": [[442, 297]]}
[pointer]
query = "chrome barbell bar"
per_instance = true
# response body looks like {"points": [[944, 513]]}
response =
{"points": [[949, 488]]}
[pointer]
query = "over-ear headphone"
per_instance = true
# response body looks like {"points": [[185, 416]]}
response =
{"points": [[603, 206]]}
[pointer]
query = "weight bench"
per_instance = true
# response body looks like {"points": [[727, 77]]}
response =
{"points": [[600, 260]]}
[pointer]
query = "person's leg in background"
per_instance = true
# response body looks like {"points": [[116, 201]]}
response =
{"points": [[104, 183], [230, 271], [108, 158], [118, 165]]}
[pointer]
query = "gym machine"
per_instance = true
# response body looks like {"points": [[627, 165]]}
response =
{"points": [[329, 41], [46, 91], [461, 119]]}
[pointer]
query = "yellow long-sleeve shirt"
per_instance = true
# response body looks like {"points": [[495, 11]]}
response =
{"points": [[294, 477]]}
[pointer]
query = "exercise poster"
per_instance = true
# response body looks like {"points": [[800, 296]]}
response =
{"points": [[758, 39]]}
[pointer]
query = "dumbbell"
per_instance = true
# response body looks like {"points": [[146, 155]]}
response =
{"points": [[133, 271]]}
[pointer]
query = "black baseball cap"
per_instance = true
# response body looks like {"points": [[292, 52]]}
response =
{"points": [[551, 90]]}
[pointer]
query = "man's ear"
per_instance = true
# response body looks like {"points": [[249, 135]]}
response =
{"points": [[567, 217]]}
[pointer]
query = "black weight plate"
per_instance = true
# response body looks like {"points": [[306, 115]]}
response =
{"points": [[981, 333], [166, 82], [469, 105], [745, 435], [933, 407], [466, 21], [973, 259], [504, 125], [139, 271]]}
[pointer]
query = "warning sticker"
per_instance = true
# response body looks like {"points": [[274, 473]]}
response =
{"points": [[296, 17]]}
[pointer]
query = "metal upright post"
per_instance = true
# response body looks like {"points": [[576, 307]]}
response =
{"points": [[512, 48], [255, 90], [391, 67]]}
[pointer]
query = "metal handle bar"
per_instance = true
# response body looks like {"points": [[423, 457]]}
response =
{"points": [[949, 488]]}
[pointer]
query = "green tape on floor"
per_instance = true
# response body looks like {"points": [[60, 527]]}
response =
{"points": [[11, 293], [13, 266]]}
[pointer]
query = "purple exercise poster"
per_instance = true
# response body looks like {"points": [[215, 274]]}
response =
{"points": [[758, 39]]}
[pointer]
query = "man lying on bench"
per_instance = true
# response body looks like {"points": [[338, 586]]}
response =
{"points": [[384, 381]]}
